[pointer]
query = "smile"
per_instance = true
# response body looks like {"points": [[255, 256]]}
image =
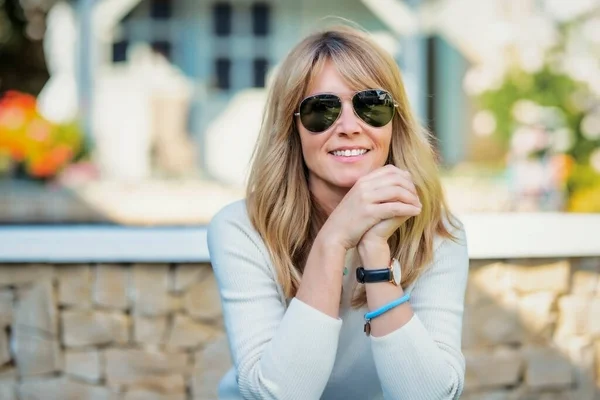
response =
{"points": [[349, 153]]}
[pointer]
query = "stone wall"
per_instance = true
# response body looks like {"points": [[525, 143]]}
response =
{"points": [[129, 332], [532, 330]]}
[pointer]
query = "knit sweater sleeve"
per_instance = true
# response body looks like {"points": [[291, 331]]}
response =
{"points": [[279, 352], [422, 360]]}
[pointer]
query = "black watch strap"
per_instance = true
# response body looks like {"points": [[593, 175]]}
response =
{"points": [[373, 275]]}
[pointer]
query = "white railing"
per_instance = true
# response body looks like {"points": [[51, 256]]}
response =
{"points": [[502, 235]]}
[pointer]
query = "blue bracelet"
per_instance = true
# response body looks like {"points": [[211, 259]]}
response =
{"points": [[370, 315]]}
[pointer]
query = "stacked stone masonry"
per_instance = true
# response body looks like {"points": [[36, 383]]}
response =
{"points": [[110, 332], [532, 330], [155, 332]]}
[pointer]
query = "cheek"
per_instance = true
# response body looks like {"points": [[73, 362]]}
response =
{"points": [[311, 146], [388, 142], [388, 135], [384, 140]]}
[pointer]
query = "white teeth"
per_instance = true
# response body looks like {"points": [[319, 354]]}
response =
{"points": [[349, 153]]}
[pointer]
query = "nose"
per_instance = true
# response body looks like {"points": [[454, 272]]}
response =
{"points": [[348, 123]]}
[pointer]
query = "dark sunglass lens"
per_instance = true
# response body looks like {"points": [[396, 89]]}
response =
{"points": [[375, 107], [319, 112]]}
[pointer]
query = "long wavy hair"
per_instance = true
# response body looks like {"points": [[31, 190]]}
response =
{"points": [[280, 205]]}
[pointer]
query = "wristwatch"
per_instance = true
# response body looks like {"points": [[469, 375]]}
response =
{"points": [[392, 274]]}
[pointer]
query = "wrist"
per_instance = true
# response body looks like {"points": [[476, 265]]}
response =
{"points": [[374, 255], [329, 243], [330, 237]]}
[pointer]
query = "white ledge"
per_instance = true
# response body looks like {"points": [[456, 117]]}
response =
{"points": [[88, 243], [532, 235], [489, 236]]}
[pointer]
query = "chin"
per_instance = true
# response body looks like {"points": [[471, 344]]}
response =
{"points": [[346, 181]]}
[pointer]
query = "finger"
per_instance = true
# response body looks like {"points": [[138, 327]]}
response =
{"points": [[388, 176], [396, 209], [406, 182], [394, 193], [398, 221], [403, 177], [392, 180], [378, 173]]}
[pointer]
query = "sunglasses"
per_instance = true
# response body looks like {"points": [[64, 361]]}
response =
{"points": [[319, 112]]}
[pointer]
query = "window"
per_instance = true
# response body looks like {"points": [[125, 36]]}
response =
{"points": [[223, 69], [161, 9], [261, 66], [260, 19], [119, 50], [222, 19], [162, 47]]}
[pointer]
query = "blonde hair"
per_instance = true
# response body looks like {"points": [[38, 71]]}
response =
{"points": [[280, 205]]}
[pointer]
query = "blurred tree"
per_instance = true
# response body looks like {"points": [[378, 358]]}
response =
{"points": [[541, 101], [22, 27]]}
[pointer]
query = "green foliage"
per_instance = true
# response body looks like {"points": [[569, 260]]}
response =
{"points": [[544, 87], [551, 86]]}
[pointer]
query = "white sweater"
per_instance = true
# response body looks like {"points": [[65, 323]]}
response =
{"points": [[285, 349]]}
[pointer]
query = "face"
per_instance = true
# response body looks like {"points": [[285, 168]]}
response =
{"points": [[330, 167]]}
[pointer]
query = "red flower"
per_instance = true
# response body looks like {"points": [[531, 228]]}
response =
{"points": [[27, 137]]}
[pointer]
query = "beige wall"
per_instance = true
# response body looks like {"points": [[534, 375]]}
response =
{"points": [[532, 331]]}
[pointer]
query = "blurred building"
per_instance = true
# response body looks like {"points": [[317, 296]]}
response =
{"points": [[225, 50]]}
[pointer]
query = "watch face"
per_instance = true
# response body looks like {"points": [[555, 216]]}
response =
{"points": [[397, 272]]}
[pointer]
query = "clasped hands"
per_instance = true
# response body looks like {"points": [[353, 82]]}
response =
{"points": [[376, 206]]}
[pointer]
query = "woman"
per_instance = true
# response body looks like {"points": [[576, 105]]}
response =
{"points": [[342, 275]]}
